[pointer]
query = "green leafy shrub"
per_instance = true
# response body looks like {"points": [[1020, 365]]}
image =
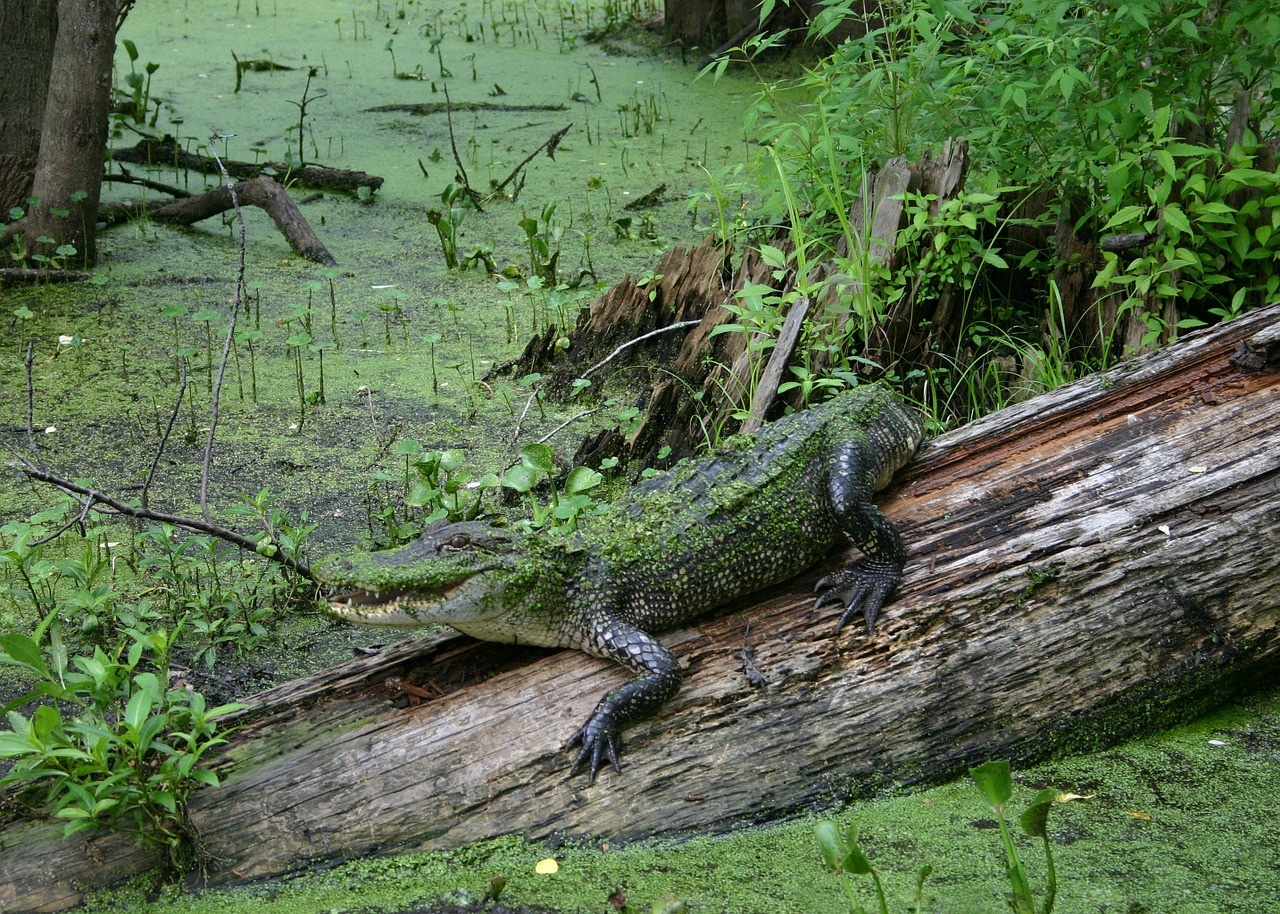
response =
{"points": [[116, 747], [1153, 118]]}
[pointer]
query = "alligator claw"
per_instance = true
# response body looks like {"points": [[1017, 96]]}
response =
{"points": [[600, 739], [862, 587]]}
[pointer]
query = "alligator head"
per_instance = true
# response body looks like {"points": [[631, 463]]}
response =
{"points": [[453, 573]]}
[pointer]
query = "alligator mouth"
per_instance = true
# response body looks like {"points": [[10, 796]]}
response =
{"points": [[342, 602]]}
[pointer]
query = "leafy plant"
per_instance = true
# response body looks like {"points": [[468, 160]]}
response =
{"points": [[448, 221], [136, 101], [117, 748], [543, 238], [841, 852], [1080, 124], [996, 785], [564, 508], [434, 485]]}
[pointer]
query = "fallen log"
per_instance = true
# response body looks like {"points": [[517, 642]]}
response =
{"points": [[263, 192], [168, 153], [1087, 564]]}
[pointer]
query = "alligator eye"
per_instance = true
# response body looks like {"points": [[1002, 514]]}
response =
{"points": [[458, 541]]}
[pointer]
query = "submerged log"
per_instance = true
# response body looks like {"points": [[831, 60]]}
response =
{"points": [[166, 152], [1093, 562]]}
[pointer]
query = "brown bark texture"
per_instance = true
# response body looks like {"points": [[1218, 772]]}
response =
{"points": [[68, 176], [27, 32], [1084, 565], [167, 152]]}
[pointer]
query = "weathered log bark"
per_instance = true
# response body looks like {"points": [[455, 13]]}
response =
{"points": [[1084, 565]]}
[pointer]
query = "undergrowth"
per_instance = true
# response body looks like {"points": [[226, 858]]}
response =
{"points": [[1149, 124]]}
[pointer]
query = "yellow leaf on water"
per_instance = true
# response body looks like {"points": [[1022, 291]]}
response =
{"points": [[1068, 797], [1138, 815], [547, 867]]}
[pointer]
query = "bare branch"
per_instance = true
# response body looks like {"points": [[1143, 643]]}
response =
{"points": [[640, 339], [567, 422], [237, 297], [94, 498], [472, 193], [550, 146], [164, 439]]}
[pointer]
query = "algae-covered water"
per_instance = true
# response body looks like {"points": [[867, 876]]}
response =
{"points": [[395, 346], [399, 348]]}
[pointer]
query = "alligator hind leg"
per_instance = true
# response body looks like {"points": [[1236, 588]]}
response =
{"points": [[600, 736], [866, 584]]}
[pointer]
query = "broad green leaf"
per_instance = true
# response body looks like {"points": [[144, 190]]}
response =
{"points": [[521, 478], [165, 799], [538, 457], [1126, 216], [13, 744], [830, 845], [855, 861], [994, 781], [581, 479], [1176, 219], [20, 650], [73, 812], [1034, 819], [205, 776], [773, 257]]}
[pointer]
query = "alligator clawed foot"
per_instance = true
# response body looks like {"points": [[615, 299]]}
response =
{"points": [[862, 587], [600, 739]]}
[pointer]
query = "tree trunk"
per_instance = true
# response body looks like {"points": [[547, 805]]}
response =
{"points": [[27, 32], [1088, 564], [68, 176]]}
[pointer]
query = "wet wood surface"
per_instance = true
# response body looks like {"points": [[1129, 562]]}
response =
{"points": [[1083, 565]]}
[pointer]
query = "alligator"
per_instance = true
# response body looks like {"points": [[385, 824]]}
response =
{"points": [[756, 512]]}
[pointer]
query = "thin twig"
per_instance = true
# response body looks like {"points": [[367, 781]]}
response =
{"points": [[550, 146], [197, 525], [31, 405], [567, 422], [164, 439], [640, 339], [231, 330], [124, 176], [473, 194], [524, 412], [77, 521]]}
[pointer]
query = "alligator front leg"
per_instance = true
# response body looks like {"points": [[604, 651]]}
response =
{"points": [[866, 584], [600, 736]]}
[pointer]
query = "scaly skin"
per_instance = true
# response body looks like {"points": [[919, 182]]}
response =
{"points": [[755, 513]]}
